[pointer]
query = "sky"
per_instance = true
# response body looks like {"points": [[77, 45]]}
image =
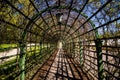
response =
{"points": [[99, 19]]}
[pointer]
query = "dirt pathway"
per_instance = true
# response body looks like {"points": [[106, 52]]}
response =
{"points": [[60, 67], [4, 56]]}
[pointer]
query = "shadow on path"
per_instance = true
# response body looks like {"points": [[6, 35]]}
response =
{"points": [[60, 67]]}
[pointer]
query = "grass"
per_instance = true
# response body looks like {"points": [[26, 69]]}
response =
{"points": [[6, 47], [8, 63], [8, 68]]}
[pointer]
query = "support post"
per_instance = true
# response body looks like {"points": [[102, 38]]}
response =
{"points": [[98, 44], [22, 60], [40, 48]]}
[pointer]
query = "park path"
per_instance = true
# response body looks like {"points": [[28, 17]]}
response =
{"points": [[4, 56], [60, 67], [10, 54]]}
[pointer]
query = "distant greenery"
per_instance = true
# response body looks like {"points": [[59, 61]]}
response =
{"points": [[10, 69], [6, 47]]}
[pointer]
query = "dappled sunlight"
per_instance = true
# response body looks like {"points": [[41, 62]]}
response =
{"points": [[60, 39]]}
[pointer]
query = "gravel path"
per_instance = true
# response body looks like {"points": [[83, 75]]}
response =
{"points": [[60, 67], [5, 54]]}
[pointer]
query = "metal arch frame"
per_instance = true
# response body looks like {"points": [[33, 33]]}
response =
{"points": [[96, 33], [63, 25], [81, 53], [55, 33], [66, 34], [22, 59], [55, 7], [38, 14], [62, 31], [100, 65], [70, 7], [56, 25], [55, 30], [27, 30], [99, 27], [66, 25]]}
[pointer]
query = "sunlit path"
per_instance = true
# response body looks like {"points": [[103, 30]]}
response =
{"points": [[10, 54], [60, 67]]}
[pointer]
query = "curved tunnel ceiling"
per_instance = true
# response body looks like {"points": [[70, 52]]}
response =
{"points": [[65, 23], [76, 21], [88, 29], [65, 26]]}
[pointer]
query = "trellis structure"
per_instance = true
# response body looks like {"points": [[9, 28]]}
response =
{"points": [[89, 30]]}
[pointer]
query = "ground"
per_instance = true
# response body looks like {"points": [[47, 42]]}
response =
{"points": [[60, 67]]}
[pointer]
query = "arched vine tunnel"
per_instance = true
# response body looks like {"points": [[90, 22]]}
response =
{"points": [[87, 32]]}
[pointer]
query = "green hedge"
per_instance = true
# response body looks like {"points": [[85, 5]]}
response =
{"points": [[6, 47]]}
